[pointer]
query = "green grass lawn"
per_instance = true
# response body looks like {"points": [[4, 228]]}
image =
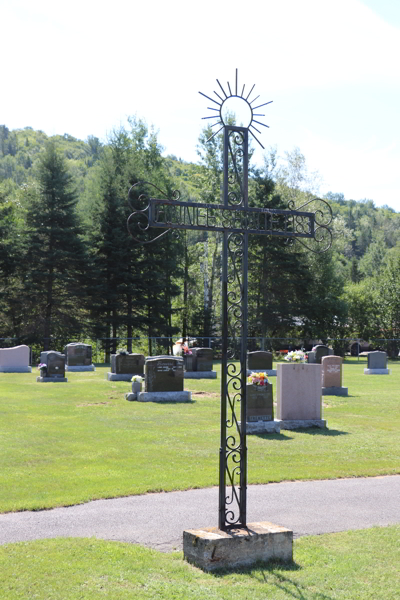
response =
{"points": [[66, 443], [355, 565]]}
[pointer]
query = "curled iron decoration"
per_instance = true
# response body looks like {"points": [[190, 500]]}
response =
{"points": [[322, 219], [234, 447], [139, 218], [236, 154]]}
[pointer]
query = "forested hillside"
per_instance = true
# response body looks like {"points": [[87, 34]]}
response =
{"points": [[69, 269]]}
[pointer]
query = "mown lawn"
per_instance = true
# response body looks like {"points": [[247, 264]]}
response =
{"points": [[354, 565], [66, 443]]}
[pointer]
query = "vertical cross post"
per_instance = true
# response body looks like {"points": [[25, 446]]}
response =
{"points": [[233, 448]]}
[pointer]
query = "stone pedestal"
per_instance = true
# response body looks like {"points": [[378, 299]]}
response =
{"points": [[300, 423], [255, 427], [80, 368], [51, 379], [212, 549], [376, 371], [164, 396], [335, 391], [119, 376], [200, 374], [7, 369]]}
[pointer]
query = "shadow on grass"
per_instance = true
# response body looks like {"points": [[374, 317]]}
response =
{"points": [[321, 431], [276, 573], [272, 436]]}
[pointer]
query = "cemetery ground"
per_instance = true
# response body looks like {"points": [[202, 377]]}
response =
{"points": [[68, 443]]}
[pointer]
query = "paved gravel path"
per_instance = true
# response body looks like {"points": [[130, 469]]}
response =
{"points": [[157, 520]]}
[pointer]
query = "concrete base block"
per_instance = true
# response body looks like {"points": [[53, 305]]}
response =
{"points": [[262, 427], [164, 396], [131, 396], [80, 368], [269, 372], [51, 379], [200, 374], [15, 369], [376, 371], [121, 377], [212, 549], [335, 391], [302, 423]]}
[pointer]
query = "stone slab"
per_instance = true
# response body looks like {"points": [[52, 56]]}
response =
{"points": [[131, 396], [301, 423], [269, 372], [80, 368], [17, 357], [211, 549], [4, 369], [119, 376], [200, 374], [262, 427], [164, 396], [51, 379], [335, 391], [377, 371], [299, 394]]}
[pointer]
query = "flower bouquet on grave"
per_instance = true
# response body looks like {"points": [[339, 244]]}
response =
{"points": [[295, 356], [43, 369], [136, 383], [258, 379]]}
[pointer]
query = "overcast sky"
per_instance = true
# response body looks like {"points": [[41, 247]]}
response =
{"points": [[332, 69]]}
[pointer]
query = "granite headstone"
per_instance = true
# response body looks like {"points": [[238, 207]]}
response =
{"points": [[203, 359], [377, 360], [320, 351], [127, 364], [78, 354], [55, 363], [260, 405], [259, 361], [164, 374]]}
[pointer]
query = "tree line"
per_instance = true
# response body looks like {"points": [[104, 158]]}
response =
{"points": [[69, 269]]}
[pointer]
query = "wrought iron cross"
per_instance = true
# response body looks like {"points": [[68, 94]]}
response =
{"points": [[236, 220]]}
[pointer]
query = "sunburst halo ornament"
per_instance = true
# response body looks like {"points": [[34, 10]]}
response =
{"points": [[242, 96]]}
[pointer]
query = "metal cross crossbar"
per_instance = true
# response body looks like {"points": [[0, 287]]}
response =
{"points": [[236, 220]]}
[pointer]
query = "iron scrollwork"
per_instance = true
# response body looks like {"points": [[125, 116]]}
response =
{"points": [[322, 239], [140, 218]]}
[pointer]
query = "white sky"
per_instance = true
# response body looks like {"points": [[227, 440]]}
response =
{"points": [[331, 68]]}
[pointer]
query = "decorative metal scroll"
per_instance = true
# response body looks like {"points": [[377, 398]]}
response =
{"points": [[140, 218], [235, 219], [322, 212]]}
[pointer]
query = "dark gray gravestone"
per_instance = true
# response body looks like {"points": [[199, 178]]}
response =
{"points": [[260, 405], [189, 362], [127, 364], [164, 374], [320, 351], [78, 355], [377, 360], [55, 363], [259, 361], [203, 359]]}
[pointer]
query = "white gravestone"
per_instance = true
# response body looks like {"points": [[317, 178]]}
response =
{"points": [[15, 360]]}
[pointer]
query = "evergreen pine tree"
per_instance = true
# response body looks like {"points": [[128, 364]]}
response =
{"points": [[54, 280]]}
